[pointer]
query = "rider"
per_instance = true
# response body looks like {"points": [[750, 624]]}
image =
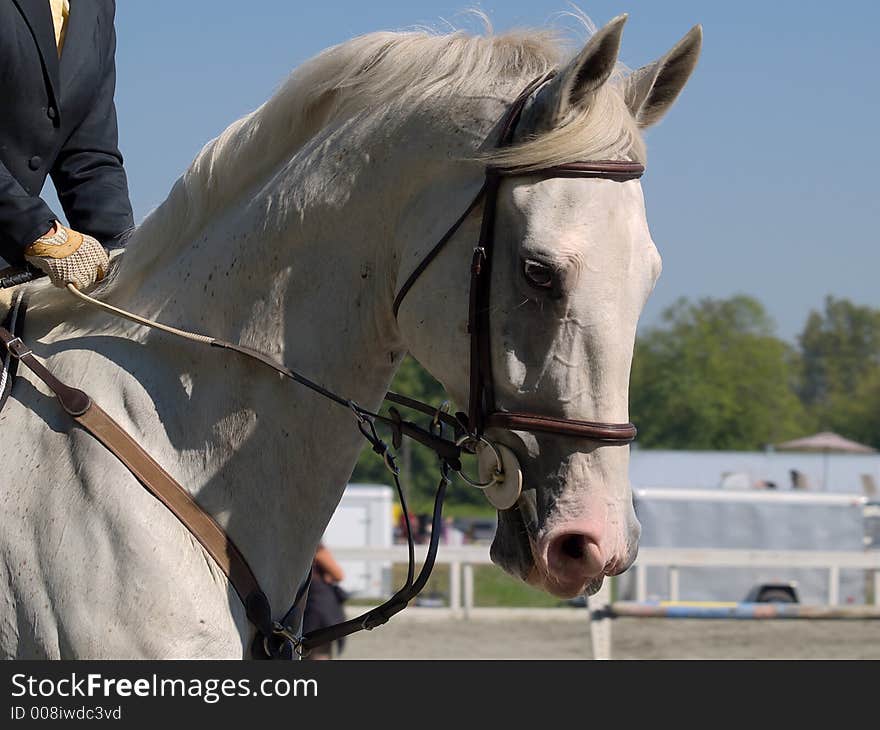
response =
{"points": [[59, 119]]}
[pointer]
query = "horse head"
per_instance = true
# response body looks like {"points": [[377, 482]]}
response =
{"points": [[573, 265]]}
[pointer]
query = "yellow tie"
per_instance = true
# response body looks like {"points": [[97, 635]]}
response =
{"points": [[60, 11]]}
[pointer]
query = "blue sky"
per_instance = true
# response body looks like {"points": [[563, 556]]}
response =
{"points": [[762, 179]]}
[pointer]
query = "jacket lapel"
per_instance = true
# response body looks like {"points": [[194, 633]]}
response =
{"points": [[39, 17]]}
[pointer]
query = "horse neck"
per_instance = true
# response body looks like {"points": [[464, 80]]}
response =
{"points": [[306, 272]]}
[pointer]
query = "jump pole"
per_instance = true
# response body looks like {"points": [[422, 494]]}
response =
{"points": [[734, 610]]}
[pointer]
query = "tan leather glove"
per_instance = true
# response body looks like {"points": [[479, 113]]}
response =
{"points": [[69, 257]]}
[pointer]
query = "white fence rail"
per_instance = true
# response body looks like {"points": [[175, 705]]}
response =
{"points": [[462, 560], [830, 560]]}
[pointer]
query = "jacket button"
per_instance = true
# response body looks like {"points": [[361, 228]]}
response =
{"points": [[35, 162], [52, 112]]}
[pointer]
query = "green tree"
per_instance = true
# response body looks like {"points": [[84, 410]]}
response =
{"points": [[857, 415], [714, 376], [841, 369]]}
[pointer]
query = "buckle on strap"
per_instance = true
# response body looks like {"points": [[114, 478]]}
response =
{"points": [[17, 348], [478, 258], [282, 643], [373, 620]]}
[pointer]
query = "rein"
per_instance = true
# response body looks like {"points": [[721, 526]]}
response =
{"points": [[278, 639]]}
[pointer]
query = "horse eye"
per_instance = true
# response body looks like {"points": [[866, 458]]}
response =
{"points": [[537, 274]]}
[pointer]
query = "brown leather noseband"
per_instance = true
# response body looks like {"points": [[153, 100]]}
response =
{"points": [[482, 410]]}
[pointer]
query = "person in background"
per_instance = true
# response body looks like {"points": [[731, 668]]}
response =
{"points": [[57, 83], [764, 484], [451, 534], [325, 600], [400, 531], [423, 533]]}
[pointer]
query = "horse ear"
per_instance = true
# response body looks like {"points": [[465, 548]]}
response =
{"points": [[652, 89], [575, 85]]}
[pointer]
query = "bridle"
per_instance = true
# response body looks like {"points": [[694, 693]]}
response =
{"points": [[482, 411], [281, 638]]}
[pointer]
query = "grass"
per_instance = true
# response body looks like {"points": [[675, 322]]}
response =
{"points": [[420, 505], [492, 588], [462, 509]]}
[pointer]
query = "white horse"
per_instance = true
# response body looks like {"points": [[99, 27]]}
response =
{"points": [[291, 233]]}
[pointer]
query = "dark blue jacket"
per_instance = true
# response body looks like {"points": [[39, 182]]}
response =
{"points": [[58, 118]]}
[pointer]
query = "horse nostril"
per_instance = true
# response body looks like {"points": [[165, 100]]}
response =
{"points": [[573, 546], [574, 554]]}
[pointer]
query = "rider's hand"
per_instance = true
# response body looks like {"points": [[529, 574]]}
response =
{"points": [[69, 257]]}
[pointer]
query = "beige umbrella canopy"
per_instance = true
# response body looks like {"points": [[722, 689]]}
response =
{"points": [[825, 443]]}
